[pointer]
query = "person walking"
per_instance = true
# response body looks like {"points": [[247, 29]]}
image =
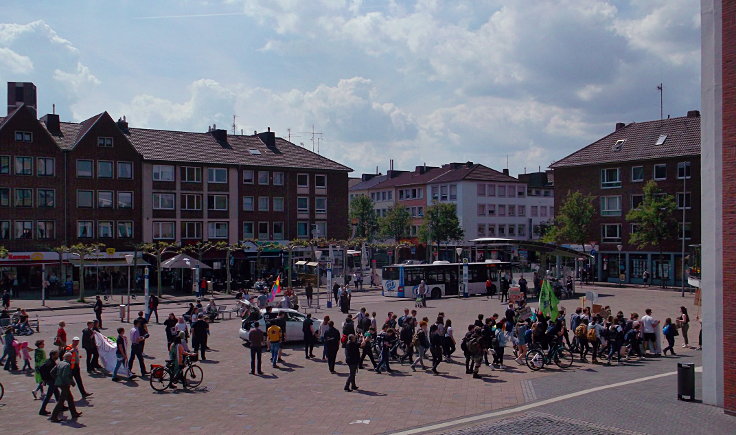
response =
{"points": [[39, 357], [386, 340], [336, 291], [649, 325], [670, 331], [6, 300], [11, 364], [448, 342], [136, 348], [504, 289], [475, 350], [421, 342], [683, 322], [98, 309], [152, 307], [309, 291], [367, 345], [435, 343], [200, 329], [332, 345], [352, 359], [309, 339], [64, 380], [60, 340], [121, 354], [90, 347], [45, 373], [422, 293], [255, 338], [73, 349], [274, 334]]}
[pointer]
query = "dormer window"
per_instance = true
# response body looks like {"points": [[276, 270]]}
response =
{"points": [[105, 142], [23, 136], [661, 139], [618, 145]]}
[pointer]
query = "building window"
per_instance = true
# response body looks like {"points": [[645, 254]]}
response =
{"points": [[636, 201], [481, 209], [320, 230], [85, 198], [302, 230], [610, 178], [263, 177], [45, 166], [491, 190], [320, 205], [217, 175], [104, 229], [491, 209], [683, 170], [278, 231], [248, 230], [163, 201], [4, 165], [191, 174], [190, 201], [125, 229], [217, 202], [521, 192], [320, 181], [217, 230], [4, 197], [278, 203], [481, 191], [435, 192], [4, 230], [84, 229], [443, 193], [104, 169], [262, 230], [492, 230], [23, 136], [534, 212], [302, 180], [104, 142], [683, 200], [302, 204], [247, 203], [163, 230], [23, 230], [46, 197], [278, 178], [191, 230], [163, 173], [24, 197], [501, 191], [125, 170], [481, 230], [420, 211], [104, 199], [512, 230], [637, 174], [511, 191], [502, 230], [634, 228], [611, 232], [263, 203], [521, 209], [45, 230], [23, 166], [611, 205], [687, 229], [512, 210], [660, 171], [84, 168], [501, 210], [390, 195], [247, 176], [453, 192], [125, 199], [521, 231], [542, 211]]}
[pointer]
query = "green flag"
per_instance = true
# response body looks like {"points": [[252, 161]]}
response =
{"points": [[548, 301]]}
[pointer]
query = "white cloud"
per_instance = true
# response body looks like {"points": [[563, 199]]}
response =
{"points": [[15, 63]]}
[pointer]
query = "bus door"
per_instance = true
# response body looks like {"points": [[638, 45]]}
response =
{"points": [[452, 282]]}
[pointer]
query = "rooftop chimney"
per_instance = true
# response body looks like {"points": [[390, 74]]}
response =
{"points": [[123, 125], [620, 125], [693, 113], [52, 124], [268, 138], [219, 135], [21, 93], [506, 171], [366, 177]]}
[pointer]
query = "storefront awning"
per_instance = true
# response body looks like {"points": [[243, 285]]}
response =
{"points": [[312, 264], [300, 263], [109, 263]]}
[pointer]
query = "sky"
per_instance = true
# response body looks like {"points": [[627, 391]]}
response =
{"points": [[421, 82]]}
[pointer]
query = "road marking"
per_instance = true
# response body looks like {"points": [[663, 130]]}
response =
{"points": [[360, 422], [474, 418]]}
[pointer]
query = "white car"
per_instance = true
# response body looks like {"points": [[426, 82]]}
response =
{"points": [[294, 322]]}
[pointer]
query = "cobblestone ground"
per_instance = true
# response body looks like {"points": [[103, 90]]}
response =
{"points": [[302, 395], [535, 423]]}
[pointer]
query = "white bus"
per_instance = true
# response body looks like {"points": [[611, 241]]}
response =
{"points": [[442, 278]]}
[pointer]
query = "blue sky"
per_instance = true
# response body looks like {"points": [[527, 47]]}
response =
{"points": [[417, 81]]}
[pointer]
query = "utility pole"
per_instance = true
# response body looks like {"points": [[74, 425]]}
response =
{"points": [[235, 129], [660, 88]]}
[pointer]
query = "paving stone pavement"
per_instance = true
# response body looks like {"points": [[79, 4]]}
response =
{"points": [[534, 423], [302, 395]]}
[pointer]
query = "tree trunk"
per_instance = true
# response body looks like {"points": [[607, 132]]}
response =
{"points": [[158, 273], [227, 268], [81, 278]]}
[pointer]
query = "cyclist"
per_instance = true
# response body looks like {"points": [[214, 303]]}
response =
{"points": [[553, 336], [176, 355]]}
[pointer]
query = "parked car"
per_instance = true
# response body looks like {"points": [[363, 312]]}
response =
{"points": [[294, 322]]}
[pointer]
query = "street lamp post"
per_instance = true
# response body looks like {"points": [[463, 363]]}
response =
{"points": [[619, 247], [685, 165], [129, 260], [458, 252], [318, 255]]}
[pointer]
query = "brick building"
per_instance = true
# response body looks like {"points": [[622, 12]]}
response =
{"points": [[102, 181], [614, 170], [718, 283]]}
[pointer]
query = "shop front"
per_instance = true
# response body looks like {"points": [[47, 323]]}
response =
{"points": [[25, 273]]}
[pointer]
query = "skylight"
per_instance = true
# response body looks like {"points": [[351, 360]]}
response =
{"points": [[617, 146], [661, 139], [255, 152]]}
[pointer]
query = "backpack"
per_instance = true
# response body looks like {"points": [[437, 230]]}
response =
{"points": [[473, 345], [365, 323], [591, 334], [415, 339], [406, 334], [581, 331]]}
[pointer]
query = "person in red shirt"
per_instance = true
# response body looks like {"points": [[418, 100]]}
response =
{"points": [[60, 339]]}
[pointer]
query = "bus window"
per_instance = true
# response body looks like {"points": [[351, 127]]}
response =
{"points": [[436, 277], [413, 277], [391, 273], [477, 273]]}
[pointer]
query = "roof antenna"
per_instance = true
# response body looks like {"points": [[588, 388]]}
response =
{"points": [[53, 109], [660, 88], [234, 126], [507, 161]]}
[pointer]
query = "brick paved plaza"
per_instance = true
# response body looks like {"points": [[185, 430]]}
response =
{"points": [[302, 396]]}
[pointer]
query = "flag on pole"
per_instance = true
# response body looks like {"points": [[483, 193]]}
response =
{"points": [[276, 289], [548, 301]]}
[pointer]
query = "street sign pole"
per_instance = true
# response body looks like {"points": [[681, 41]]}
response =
{"points": [[465, 277]]}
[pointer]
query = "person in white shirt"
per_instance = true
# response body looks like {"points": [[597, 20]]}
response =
{"points": [[649, 328]]}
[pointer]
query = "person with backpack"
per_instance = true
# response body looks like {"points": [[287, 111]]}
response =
{"points": [[64, 379], [595, 329], [633, 341], [521, 350], [464, 348], [420, 342], [499, 344], [488, 333], [403, 318], [475, 350], [369, 337], [435, 347], [581, 335], [406, 335], [47, 378], [615, 341], [574, 323], [385, 340], [670, 331]]}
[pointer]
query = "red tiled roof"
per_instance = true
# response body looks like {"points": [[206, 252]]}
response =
{"points": [[411, 178], [476, 172], [683, 139]]}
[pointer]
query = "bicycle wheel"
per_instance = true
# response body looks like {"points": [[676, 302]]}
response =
{"points": [[535, 359], [162, 382], [2, 391], [193, 376], [563, 358]]}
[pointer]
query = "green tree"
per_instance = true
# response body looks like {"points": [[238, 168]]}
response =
{"points": [[81, 250], [654, 219], [441, 224], [395, 224], [229, 249], [362, 212], [573, 221], [158, 249]]}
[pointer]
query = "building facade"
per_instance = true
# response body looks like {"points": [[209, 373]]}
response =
{"points": [[614, 170]]}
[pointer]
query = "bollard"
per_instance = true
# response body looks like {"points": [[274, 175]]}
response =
{"points": [[686, 381], [122, 313], [329, 304]]}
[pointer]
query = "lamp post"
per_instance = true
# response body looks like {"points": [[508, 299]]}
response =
{"points": [[129, 260], [685, 166], [318, 255], [619, 247], [458, 252]]}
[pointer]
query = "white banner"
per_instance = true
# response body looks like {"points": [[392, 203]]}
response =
{"points": [[108, 359]]}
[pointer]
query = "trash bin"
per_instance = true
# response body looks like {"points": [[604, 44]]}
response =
{"points": [[686, 381], [329, 304], [122, 313]]}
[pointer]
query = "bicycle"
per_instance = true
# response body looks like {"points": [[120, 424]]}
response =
{"points": [[537, 359], [190, 375], [2, 391]]}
